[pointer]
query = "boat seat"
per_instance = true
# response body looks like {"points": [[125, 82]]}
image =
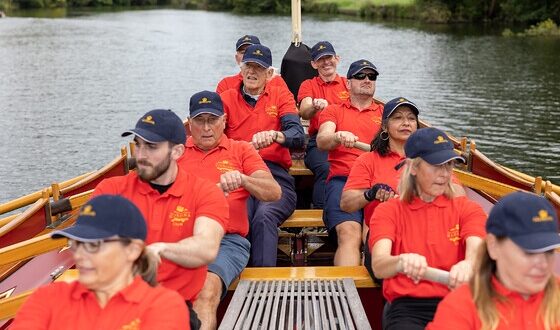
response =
{"points": [[304, 218], [298, 298], [298, 168]]}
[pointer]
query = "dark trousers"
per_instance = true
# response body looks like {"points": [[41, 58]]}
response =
{"points": [[193, 318], [408, 313], [316, 160], [265, 217]]}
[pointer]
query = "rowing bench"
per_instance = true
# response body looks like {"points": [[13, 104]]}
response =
{"points": [[295, 227], [295, 304]]}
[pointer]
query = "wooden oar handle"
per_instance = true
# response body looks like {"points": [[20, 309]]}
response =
{"points": [[433, 274], [362, 146]]}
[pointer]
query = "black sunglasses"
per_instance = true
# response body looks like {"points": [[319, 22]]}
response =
{"points": [[362, 75]]}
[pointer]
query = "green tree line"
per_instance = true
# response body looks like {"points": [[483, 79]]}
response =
{"points": [[527, 11]]}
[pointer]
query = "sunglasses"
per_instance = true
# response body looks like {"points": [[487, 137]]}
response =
{"points": [[362, 75], [94, 247]]}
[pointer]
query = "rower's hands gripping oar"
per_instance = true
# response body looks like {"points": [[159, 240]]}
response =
{"points": [[263, 139], [406, 267]]}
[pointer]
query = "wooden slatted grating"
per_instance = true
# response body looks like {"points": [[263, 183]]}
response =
{"points": [[290, 304]]}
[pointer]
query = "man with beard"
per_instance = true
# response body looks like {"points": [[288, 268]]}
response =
{"points": [[234, 82], [341, 125], [266, 116], [186, 215], [314, 95], [237, 167]]}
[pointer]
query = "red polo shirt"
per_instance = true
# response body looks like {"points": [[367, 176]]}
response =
{"points": [[335, 92], [170, 217], [243, 121], [234, 82], [457, 310], [229, 155], [436, 230], [64, 305], [371, 168], [363, 124]]}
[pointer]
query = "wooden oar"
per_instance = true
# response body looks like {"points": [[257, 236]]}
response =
{"points": [[432, 274]]}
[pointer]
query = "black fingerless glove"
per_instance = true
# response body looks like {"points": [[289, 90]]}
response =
{"points": [[369, 194]]}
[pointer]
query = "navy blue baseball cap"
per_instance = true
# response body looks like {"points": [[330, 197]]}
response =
{"points": [[159, 125], [206, 102], [247, 40], [432, 145], [393, 104], [322, 48], [358, 66], [106, 216], [259, 54], [528, 220]]}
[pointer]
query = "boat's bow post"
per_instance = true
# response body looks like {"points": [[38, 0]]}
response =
{"points": [[538, 186]]}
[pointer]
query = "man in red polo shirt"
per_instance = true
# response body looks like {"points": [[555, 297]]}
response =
{"points": [[266, 116], [314, 95], [235, 80], [186, 215], [237, 167], [341, 125]]}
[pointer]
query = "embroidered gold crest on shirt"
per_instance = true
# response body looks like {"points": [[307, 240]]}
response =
{"points": [[179, 216]]}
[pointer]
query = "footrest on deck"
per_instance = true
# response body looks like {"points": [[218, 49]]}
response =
{"points": [[296, 304]]}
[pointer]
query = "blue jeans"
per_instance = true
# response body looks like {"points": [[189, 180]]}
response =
{"points": [[316, 161]]}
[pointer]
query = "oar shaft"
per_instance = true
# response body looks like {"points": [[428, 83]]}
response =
{"points": [[433, 274], [362, 146]]}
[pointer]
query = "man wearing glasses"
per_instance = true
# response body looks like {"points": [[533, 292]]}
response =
{"points": [[340, 126], [186, 215], [266, 116], [314, 95], [240, 172], [235, 80]]}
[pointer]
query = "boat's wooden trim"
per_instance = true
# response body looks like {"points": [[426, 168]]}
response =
{"points": [[10, 306], [118, 166], [481, 165], [7, 219], [30, 248], [494, 188], [29, 223], [72, 203], [523, 176], [31, 198]]}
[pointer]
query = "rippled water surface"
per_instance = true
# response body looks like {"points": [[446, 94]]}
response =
{"points": [[70, 86]]}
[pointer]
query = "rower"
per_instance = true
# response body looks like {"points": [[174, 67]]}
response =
{"points": [[236, 80], [186, 215], [314, 95], [266, 116], [374, 176], [514, 286], [239, 170], [116, 287], [341, 125], [426, 226]]}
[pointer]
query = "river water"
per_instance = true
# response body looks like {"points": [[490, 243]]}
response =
{"points": [[69, 86]]}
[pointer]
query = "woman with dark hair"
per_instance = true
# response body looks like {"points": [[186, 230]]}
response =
{"points": [[374, 177], [116, 288], [428, 225], [514, 286]]}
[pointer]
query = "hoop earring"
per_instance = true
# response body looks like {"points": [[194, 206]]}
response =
{"points": [[384, 138]]}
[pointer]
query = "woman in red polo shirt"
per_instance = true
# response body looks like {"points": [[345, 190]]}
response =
{"points": [[514, 286], [116, 288], [426, 226], [374, 177]]}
